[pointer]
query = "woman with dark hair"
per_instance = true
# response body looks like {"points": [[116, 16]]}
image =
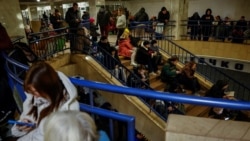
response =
{"points": [[47, 91], [206, 24], [188, 79]]}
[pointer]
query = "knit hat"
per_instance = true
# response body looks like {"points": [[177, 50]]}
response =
{"points": [[91, 20], [125, 33]]}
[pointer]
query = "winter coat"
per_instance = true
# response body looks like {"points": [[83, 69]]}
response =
{"points": [[141, 16], [71, 17], [103, 18], [143, 56], [162, 17], [125, 48], [37, 134], [168, 71]]}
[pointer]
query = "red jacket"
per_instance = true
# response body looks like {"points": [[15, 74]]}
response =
{"points": [[125, 48]]}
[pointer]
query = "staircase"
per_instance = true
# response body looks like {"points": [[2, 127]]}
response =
{"points": [[156, 84]]}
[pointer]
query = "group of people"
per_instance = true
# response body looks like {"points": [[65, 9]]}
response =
{"points": [[207, 25], [175, 78]]}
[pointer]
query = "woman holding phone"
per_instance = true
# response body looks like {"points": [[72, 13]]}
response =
{"points": [[47, 91]]}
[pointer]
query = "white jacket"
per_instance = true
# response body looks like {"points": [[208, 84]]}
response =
{"points": [[121, 21], [37, 134]]}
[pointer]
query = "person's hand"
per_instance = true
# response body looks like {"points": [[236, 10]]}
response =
{"points": [[77, 20], [170, 108], [178, 72], [25, 128]]}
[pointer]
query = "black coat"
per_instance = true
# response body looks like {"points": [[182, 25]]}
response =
{"points": [[71, 17], [162, 17], [142, 56]]}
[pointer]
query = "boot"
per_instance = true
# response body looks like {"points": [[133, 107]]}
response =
{"points": [[133, 58]]}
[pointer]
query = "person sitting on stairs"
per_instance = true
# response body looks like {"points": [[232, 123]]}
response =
{"points": [[144, 56], [169, 74], [126, 49], [188, 79]]}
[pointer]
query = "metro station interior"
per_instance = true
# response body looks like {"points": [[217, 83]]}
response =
{"points": [[139, 108]]}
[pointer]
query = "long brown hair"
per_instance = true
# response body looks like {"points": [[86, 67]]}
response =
{"points": [[47, 82]]}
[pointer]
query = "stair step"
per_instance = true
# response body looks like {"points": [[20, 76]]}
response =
{"points": [[157, 85], [154, 78], [125, 62], [198, 111]]}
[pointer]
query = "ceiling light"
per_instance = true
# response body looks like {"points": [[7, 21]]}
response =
{"points": [[38, 0]]}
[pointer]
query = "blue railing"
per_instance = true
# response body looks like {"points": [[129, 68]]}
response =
{"points": [[16, 83], [180, 98], [130, 120]]}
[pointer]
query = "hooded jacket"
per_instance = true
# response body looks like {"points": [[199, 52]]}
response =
{"points": [[41, 103], [125, 48]]}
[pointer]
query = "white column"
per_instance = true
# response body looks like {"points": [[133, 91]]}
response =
{"points": [[94, 6], [178, 11]]}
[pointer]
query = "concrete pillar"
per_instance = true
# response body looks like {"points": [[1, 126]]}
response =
{"points": [[11, 17], [94, 6], [178, 11]]}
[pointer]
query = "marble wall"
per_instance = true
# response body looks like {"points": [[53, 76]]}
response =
{"points": [[11, 17]]}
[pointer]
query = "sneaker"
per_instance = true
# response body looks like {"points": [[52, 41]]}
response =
{"points": [[152, 73], [158, 72], [133, 64], [197, 94]]}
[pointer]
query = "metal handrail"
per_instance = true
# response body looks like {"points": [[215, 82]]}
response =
{"points": [[180, 98], [132, 73]]}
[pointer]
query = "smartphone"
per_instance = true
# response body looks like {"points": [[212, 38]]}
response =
{"points": [[21, 123]]}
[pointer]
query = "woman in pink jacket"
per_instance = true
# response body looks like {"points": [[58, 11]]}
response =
{"points": [[126, 49]]}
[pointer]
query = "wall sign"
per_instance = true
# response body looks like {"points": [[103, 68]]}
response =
{"points": [[225, 63]]}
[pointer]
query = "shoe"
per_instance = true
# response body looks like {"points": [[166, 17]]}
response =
{"points": [[183, 90], [152, 73], [197, 94], [133, 64], [158, 72]]}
